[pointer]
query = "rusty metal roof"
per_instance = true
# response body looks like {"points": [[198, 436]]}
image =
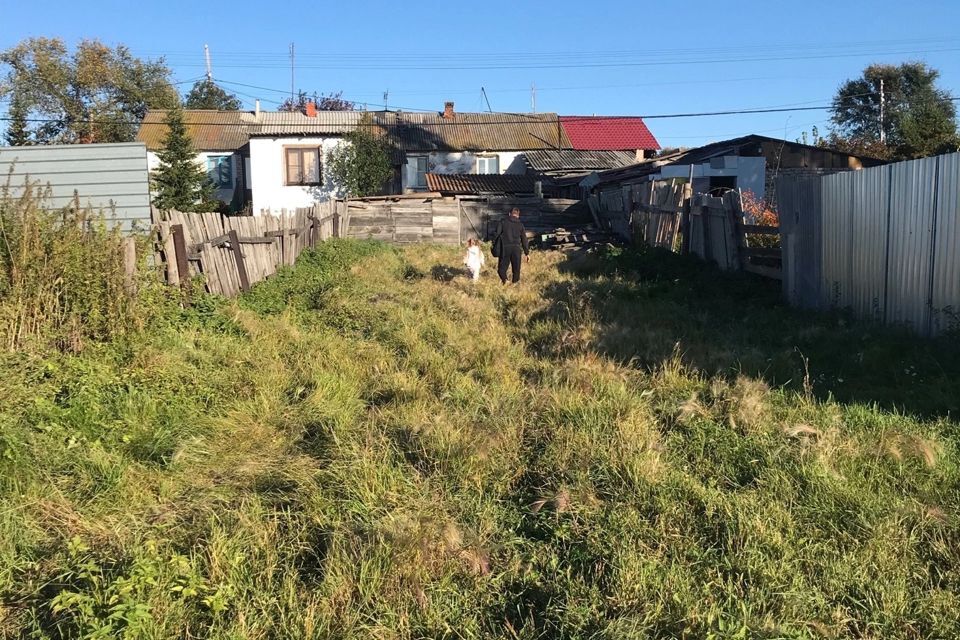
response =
{"points": [[472, 131], [294, 123], [546, 160], [209, 130], [479, 183]]}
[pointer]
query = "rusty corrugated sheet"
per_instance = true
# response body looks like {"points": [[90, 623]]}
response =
{"points": [[209, 130], [453, 183], [473, 131]]}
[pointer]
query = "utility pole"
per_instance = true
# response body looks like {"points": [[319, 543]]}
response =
{"points": [[206, 54], [386, 97], [533, 97], [883, 135], [292, 97]]}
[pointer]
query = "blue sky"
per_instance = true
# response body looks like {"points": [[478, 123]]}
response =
{"points": [[622, 58]]}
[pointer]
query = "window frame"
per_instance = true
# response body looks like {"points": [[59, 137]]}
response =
{"points": [[417, 184], [211, 168], [486, 160], [299, 150]]}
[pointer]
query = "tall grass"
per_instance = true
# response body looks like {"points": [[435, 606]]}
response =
{"points": [[61, 275], [358, 449]]}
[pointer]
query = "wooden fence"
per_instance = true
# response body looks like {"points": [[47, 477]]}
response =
{"points": [[718, 233], [234, 252], [668, 215], [429, 218], [656, 218]]}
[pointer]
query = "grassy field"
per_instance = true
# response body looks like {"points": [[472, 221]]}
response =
{"points": [[625, 445]]}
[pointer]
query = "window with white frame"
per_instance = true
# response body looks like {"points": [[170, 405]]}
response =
{"points": [[220, 170], [419, 165], [301, 166], [488, 164]]}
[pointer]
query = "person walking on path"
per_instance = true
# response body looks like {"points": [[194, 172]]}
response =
{"points": [[513, 241]]}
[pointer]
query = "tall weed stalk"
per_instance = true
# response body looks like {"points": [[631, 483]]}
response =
{"points": [[61, 275]]}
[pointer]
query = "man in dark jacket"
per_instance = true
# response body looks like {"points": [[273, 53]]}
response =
{"points": [[513, 239]]}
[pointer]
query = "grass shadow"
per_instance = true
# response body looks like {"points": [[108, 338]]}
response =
{"points": [[445, 273], [647, 306]]}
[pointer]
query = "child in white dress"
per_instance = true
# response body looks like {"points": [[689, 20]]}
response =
{"points": [[474, 259]]}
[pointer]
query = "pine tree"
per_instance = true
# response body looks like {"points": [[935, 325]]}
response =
{"points": [[179, 182], [18, 132]]}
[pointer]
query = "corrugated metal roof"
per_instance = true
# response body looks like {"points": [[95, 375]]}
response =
{"points": [[576, 160], [610, 133], [473, 131], [209, 130], [470, 183], [735, 146], [294, 123]]}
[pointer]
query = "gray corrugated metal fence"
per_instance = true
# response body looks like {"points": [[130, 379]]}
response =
{"points": [[884, 242], [108, 177]]}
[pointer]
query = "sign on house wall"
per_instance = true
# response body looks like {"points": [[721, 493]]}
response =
{"points": [[111, 178]]}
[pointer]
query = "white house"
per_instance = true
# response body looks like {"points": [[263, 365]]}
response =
{"points": [[220, 138], [288, 156]]}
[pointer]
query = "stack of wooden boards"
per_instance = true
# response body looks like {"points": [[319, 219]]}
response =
{"points": [[571, 237]]}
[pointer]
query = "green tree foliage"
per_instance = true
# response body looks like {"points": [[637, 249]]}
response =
{"points": [[91, 94], [206, 94], [361, 167], [919, 118], [324, 102], [18, 130], [179, 182]]}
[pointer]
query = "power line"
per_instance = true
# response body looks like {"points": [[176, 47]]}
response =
{"points": [[572, 64], [843, 48], [426, 110], [524, 119]]}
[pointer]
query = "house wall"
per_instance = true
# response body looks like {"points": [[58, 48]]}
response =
{"points": [[236, 164], [267, 174], [749, 172], [460, 162], [108, 177]]}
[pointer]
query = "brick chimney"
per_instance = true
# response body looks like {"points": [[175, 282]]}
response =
{"points": [[311, 109], [448, 111]]}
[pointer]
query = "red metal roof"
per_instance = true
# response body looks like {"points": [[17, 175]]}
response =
{"points": [[608, 133]]}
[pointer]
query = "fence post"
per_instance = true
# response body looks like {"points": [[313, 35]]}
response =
{"points": [[705, 232], [180, 255], [129, 264], [238, 256], [735, 214]]}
